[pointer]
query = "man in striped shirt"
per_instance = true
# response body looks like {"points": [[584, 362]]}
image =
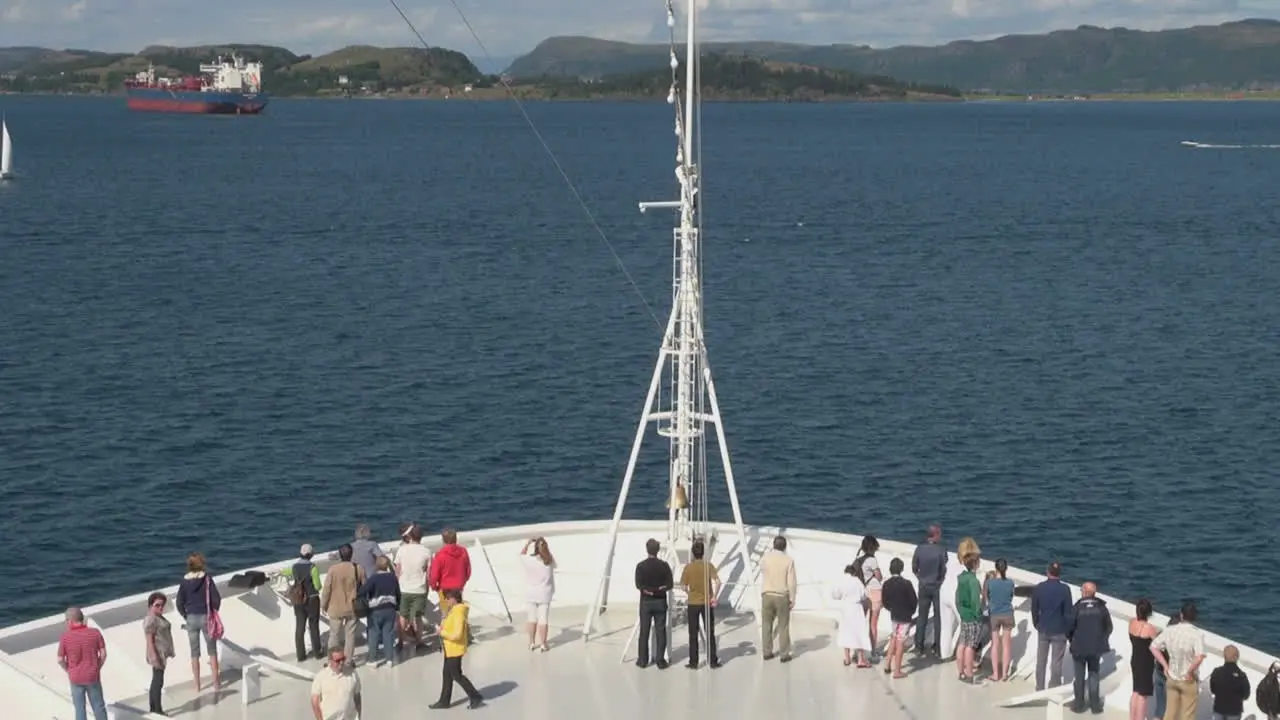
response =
{"points": [[82, 652]]}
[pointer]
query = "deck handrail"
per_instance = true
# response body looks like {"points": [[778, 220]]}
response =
{"points": [[488, 564]]}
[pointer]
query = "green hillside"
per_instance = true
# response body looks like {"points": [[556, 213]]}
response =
{"points": [[284, 72], [740, 77], [1232, 56]]}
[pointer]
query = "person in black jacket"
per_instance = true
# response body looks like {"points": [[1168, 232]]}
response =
{"points": [[1089, 632], [900, 600], [1229, 685], [654, 580]]}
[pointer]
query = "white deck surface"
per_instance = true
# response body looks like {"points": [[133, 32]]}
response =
{"points": [[589, 680]]}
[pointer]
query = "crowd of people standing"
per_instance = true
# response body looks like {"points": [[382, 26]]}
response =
{"points": [[392, 593]]}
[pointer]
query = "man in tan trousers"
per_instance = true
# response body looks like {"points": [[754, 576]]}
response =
{"points": [[778, 597], [338, 600]]}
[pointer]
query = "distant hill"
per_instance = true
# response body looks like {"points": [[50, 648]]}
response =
{"points": [[740, 77], [437, 71], [17, 58], [379, 68], [1231, 56], [30, 69]]}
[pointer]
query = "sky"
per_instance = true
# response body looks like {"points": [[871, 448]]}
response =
{"points": [[512, 27]]}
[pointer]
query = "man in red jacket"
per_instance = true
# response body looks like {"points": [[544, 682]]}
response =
{"points": [[450, 569]]}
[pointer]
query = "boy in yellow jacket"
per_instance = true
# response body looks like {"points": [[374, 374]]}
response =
{"points": [[454, 632]]}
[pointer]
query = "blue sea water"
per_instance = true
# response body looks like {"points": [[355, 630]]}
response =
{"points": [[1049, 326]]}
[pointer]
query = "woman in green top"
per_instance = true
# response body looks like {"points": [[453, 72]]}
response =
{"points": [[969, 605]]}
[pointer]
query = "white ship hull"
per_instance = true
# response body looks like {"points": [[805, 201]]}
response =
{"points": [[591, 679]]}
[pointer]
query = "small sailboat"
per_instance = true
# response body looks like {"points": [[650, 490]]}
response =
{"points": [[6, 152]]}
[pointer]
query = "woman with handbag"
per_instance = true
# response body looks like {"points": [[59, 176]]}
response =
{"points": [[198, 603]]}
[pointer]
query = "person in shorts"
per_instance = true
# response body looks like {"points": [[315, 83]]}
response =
{"points": [[197, 597], [969, 605], [900, 600], [540, 587], [412, 561], [874, 580], [998, 591]]}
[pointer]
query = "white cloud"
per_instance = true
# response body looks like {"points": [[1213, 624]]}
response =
{"points": [[513, 26], [15, 11], [75, 11]]}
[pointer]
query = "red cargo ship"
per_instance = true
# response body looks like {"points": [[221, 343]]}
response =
{"points": [[227, 87]]}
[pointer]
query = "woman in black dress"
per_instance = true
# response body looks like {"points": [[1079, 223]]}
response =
{"points": [[1141, 661]]}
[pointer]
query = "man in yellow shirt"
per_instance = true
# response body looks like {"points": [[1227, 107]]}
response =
{"points": [[702, 582]]}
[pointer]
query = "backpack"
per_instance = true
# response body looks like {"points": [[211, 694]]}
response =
{"points": [[857, 568], [1267, 695], [296, 593]]}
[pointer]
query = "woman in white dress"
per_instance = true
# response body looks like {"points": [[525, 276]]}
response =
{"points": [[853, 635]]}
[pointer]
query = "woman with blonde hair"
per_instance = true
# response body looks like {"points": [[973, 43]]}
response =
{"points": [[969, 607], [198, 603], [540, 586]]}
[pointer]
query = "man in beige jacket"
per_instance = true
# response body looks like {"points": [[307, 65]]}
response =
{"points": [[338, 600], [778, 597]]}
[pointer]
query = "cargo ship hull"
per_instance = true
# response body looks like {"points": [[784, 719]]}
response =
{"points": [[196, 101]]}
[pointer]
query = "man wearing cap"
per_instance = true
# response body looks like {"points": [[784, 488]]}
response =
{"points": [[307, 613], [412, 561]]}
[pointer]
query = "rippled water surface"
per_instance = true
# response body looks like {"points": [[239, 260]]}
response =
{"points": [[1052, 327]]}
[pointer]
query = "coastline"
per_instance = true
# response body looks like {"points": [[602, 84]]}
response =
{"points": [[491, 94], [488, 95]]}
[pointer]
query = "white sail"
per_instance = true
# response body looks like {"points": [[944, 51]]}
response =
{"points": [[6, 152]]}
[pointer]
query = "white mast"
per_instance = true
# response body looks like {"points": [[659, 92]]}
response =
{"points": [[692, 400]]}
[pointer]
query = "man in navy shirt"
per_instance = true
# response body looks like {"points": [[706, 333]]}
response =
{"points": [[1051, 617], [929, 565]]}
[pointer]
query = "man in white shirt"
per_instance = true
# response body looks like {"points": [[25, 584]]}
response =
{"points": [[335, 693], [412, 561]]}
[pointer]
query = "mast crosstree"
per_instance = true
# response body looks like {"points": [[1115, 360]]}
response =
{"points": [[683, 414]]}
